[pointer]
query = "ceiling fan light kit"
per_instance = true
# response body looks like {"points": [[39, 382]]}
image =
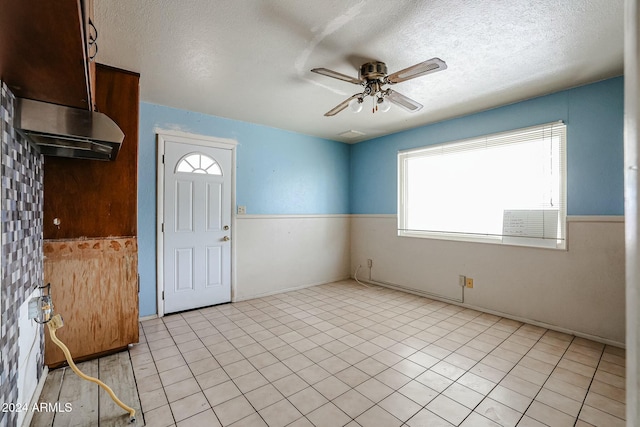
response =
{"points": [[373, 76], [356, 104]]}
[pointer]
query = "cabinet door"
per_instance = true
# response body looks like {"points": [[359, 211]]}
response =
{"points": [[94, 287], [93, 198], [43, 54]]}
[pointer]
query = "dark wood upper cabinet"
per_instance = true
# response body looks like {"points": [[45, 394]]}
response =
{"points": [[93, 198], [45, 52]]}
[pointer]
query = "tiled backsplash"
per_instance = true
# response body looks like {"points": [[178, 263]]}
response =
{"points": [[22, 251]]}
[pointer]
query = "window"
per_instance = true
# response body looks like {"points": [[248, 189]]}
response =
{"points": [[506, 188], [198, 163]]}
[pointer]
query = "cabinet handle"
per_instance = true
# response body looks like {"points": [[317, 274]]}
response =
{"points": [[92, 37], [93, 41]]}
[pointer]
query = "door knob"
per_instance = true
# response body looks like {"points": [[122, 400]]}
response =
{"points": [[226, 238], [226, 227]]}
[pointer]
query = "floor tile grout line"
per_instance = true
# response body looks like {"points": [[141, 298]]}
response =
{"points": [[507, 373], [315, 363], [577, 417], [243, 394], [158, 373], [363, 305], [549, 376], [293, 373], [404, 358], [593, 377], [135, 382], [590, 383], [221, 366], [181, 355], [271, 382]]}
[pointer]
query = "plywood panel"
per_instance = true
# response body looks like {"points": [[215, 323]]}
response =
{"points": [[95, 198], [94, 286]]}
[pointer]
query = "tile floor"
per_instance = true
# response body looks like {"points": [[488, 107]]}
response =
{"points": [[344, 354]]}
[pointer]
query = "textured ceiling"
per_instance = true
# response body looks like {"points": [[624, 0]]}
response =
{"points": [[249, 60]]}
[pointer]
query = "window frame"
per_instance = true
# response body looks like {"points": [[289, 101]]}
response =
{"points": [[534, 242], [195, 170]]}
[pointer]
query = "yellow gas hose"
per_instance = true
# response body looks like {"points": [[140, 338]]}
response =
{"points": [[56, 323]]}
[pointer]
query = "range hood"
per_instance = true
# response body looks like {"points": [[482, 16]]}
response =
{"points": [[68, 132]]}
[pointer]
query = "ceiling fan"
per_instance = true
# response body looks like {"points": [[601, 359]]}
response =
{"points": [[373, 76]]}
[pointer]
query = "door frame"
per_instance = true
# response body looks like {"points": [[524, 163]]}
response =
{"points": [[162, 136]]}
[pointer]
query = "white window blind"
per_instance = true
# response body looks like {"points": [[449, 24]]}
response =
{"points": [[505, 188]]}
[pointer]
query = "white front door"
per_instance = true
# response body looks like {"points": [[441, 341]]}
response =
{"points": [[197, 226]]}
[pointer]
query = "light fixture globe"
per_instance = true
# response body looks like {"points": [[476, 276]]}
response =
{"points": [[356, 104], [384, 105]]}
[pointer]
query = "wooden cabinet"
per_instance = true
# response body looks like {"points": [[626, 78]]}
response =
{"points": [[44, 52], [91, 256], [94, 286], [94, 198]]}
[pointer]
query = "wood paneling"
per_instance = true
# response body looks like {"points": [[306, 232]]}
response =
{"points": [[94, 286], [42, 51], [94, 198], [117, 372], [91, 405]]}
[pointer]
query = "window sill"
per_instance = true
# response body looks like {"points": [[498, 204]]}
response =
{"points": [[493, 240]]}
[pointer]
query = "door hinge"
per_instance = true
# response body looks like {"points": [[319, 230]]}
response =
{"points": [[162, 225], [162, 295], [163, 159]]}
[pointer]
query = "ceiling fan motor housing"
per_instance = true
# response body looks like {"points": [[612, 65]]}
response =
{"points": [[373, 70]]}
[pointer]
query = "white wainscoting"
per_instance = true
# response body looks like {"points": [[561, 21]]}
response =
{"points": [[278, 253], [29, 344], [581, 290]]}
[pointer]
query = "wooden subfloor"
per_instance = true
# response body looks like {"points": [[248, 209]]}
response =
{"points": [[90, 405]]}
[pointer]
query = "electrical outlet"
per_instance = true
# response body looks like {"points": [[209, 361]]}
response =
{"points": [[242, 210], [462, 281], [469, 282], [369, 263], [34, 308]]}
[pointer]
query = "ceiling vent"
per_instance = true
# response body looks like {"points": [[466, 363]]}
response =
{"points": [[351, 134]]}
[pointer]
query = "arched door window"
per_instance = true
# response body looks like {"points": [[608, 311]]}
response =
{"points": [[198, 163]]}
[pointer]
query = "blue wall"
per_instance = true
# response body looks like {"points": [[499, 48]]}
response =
{"points": [[278, 172], [594, 118]]}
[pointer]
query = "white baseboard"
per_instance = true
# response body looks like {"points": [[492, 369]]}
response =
{"points": [[501, 314], [295, 288], [26, 422]]}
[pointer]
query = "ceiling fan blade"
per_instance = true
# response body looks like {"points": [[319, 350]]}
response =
{"points": [[344, 104], [403, 101], [336, 75], [429, 66]]}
